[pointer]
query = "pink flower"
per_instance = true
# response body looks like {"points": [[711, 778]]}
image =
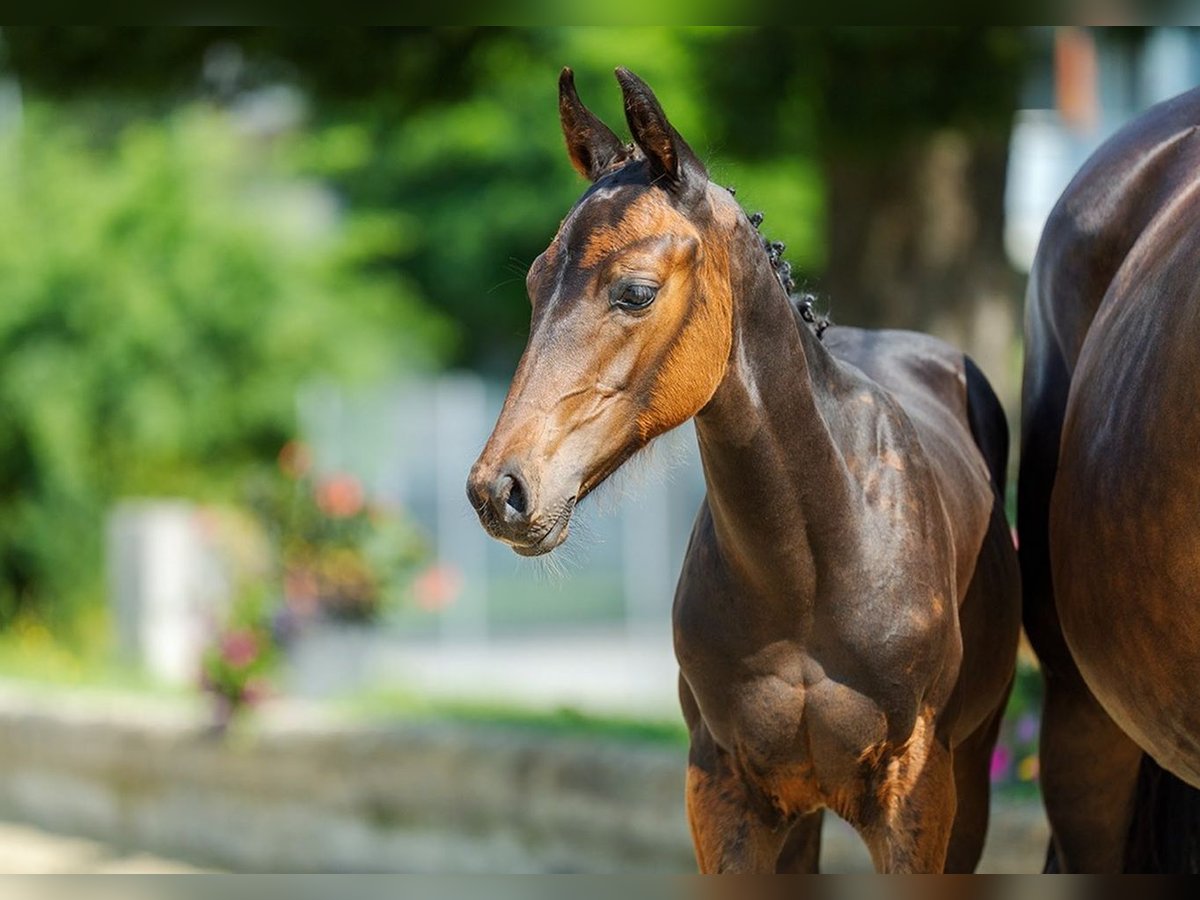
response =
{"points": [[301, 589], [239, 648], [340, 497], [1001, 760], [208, 523]]}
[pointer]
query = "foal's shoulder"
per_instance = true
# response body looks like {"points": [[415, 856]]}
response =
{"points": [[928, 379]]}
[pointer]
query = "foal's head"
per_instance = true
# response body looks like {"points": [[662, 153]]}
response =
{"points": [[631, 325]]}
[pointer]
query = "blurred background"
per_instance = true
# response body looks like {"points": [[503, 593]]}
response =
{"points": [[261, 292]]}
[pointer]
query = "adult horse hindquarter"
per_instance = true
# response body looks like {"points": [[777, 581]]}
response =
{"points": [[1110, 497], [846, 618]]}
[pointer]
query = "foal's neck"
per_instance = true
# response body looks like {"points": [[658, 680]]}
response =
{"points": [[778, 484]]}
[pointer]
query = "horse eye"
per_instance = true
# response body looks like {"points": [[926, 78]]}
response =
{"points": [[636, 296]]}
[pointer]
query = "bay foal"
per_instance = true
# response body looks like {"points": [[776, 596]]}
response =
{"points": [[846, 619]]}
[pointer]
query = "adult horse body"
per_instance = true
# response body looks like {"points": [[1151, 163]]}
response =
{"points": [[1109, 505], [847, 615]]}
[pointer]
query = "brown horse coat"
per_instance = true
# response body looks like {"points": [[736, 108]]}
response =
{"points": [[1110, 489]]}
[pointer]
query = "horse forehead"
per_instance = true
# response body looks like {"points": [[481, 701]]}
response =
{"points": [[610, 218]]}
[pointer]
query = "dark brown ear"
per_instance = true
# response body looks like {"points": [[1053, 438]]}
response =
{"points": [[591, 144], [671, 159]]}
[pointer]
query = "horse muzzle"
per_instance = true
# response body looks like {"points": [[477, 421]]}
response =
{"points": [[506, 508]]}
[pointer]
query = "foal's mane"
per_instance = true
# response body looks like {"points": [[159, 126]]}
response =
{"points": [[803, 301]]}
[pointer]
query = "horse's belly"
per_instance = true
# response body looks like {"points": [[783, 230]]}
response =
{"points": [[1135, 636]]}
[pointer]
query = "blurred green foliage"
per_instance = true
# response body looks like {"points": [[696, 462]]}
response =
{"points": [[453, 132], [165, 289], [169, 275], [397, 705], [484, 181]]}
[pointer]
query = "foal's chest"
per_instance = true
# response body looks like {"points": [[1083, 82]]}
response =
{"points": [[811, 703], [806, 743]]}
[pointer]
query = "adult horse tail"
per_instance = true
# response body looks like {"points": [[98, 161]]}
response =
{"points": [[1164, 831], [989, 425]]}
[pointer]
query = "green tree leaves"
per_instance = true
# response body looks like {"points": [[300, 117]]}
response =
{"points": [[162, 296]]}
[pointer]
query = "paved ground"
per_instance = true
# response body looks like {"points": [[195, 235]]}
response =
{"points": [[25, 850], [1017, 845]]}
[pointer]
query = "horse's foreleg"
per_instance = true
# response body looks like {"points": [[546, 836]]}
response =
{"points": [[801, 853], [972, 783], [728, 833], [911, 832]]}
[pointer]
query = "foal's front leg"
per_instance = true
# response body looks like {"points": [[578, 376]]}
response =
{"points": [[915, 816], [730, 833]]}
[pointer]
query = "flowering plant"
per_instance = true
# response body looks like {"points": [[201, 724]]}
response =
{"points": [[342, 556], [235, 667], [1014, 763]]}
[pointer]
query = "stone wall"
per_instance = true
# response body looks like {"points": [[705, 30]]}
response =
{"points": [[301, 792], [330, 797]]}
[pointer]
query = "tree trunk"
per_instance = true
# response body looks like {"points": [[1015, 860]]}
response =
{"points": [[916, 241]]}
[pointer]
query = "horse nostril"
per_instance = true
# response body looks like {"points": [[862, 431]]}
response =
{"points": [[501, 500], [516, 500]]}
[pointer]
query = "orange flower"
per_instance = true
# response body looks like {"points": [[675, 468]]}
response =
{"points": [[437, 587], [340, 497], [295, 459]]}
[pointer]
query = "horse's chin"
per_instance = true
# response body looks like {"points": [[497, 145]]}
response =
{"points": [[553, 538]]}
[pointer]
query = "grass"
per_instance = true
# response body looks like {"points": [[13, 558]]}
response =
{"points": [[35, 657], [31, 654], [395, 705]]}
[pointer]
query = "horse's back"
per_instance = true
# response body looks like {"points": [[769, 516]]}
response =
{"points": [[1110, 203]]}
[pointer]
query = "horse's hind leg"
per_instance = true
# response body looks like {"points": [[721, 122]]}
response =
{"points": [[1088, 765], [801, 853], [1088, 773], [972, 782]]}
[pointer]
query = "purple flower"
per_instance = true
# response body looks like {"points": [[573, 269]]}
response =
{"points": [[285, 625], [1027, 728]]}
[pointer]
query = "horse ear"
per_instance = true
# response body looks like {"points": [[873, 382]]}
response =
{"points": [[670, 158], [591, 144]]}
